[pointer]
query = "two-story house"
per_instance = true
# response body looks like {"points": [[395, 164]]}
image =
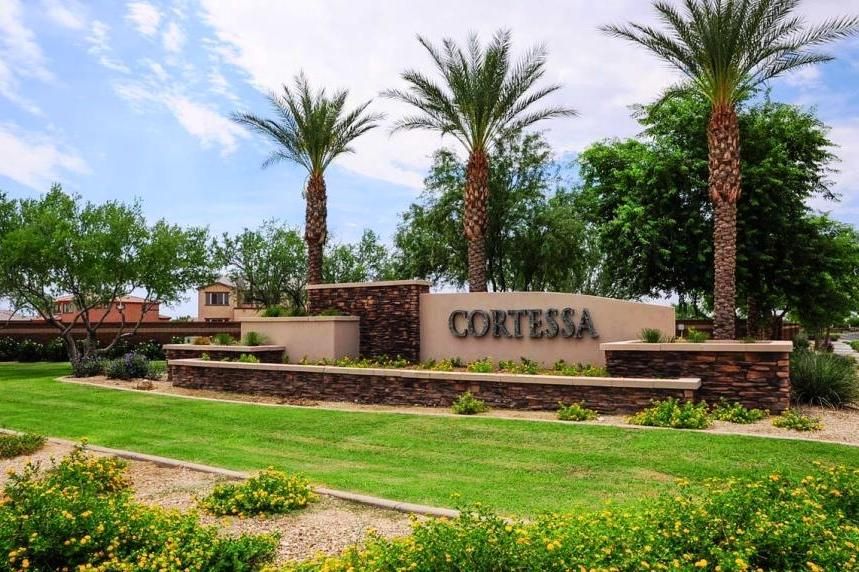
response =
{"points": [[129, 309], [222, 301]]}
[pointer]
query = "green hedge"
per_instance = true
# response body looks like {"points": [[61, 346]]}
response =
{"points": [[27, 350], [775, 523]]}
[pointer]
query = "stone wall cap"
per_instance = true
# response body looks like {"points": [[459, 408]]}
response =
{"points": [[377, 284], [636, 382], [220, 348], [260, 319], [734, 346]]}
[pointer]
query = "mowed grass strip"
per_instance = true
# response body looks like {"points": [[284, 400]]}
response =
{"points": [[513, 466]]}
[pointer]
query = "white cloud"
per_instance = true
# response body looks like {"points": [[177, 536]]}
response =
{"points": [[35, 160], [205, 123], [20, 56], [144, 16], [99, 46], [66, 13], [173, 38]]}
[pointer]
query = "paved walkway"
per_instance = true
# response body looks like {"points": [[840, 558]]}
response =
{"points": [[842, 348]]}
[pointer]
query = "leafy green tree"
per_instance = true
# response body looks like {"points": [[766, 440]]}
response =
{"points": [[311, 129], [726, 49], [269, 264], [536, 237], [96, 253], [366, 260], [649, 201], [483, 94]]}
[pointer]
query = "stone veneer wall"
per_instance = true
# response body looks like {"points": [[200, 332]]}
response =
{"points": [[755, 379], [379, 387], [389, 313]]}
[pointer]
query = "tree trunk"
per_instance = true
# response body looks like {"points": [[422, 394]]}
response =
{"points": [[315, 226], [476, 202], [723, 138]]}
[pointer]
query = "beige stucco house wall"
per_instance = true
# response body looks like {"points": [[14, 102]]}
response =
{"points": [[210, 308]]}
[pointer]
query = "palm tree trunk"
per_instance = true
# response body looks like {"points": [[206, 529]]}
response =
{"points": [[723, 138], [315, 226], [476, 202]]}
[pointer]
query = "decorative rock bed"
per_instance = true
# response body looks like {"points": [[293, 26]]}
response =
{"points": [[427, 388]]}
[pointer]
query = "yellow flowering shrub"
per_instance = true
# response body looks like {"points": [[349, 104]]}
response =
{"points": [[80, 515], [773, 523], [269, 492]]}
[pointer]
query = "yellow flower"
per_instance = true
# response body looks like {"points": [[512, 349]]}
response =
{"points": [[701, 564]]}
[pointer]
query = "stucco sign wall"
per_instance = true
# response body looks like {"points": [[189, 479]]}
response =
{"points": [[542, 326]]}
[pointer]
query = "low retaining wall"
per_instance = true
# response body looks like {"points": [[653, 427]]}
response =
{"points": [[426, 388], [754, 374], [311, 337], [266, 354]]}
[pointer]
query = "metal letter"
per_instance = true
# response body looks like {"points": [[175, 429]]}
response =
{"points": [[535, 322], [451, 323], [568, 316], [486, 323], [517, 324], [585, 323], [552, 327], [499, 324]]}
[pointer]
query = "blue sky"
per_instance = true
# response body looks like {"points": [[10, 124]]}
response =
{"points": [[124, 100]]}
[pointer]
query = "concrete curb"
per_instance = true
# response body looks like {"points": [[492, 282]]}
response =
{"points": [[460, 417], [376, 502]]}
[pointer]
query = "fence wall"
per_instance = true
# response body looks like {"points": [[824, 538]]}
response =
{"points": [[161, 332], [787, 331]]}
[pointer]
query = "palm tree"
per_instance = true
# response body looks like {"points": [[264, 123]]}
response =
{"points": [[727, 49], [311, 129], [482, 95]]}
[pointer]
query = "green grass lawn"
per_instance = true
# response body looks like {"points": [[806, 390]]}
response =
{"points": [[513, 466]]}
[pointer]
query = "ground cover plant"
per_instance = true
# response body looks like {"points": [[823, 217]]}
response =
{"points": [[467, 404], [798, 421], [652, 336], [14, 445], [673, 413], [223, 339], [576, 412], [736, 413], [254, 339], [801, 523], [79, 513], [696, 336], [533, 467], [822, 378], [269, 492]]}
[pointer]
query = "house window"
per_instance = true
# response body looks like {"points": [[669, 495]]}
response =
{"points": [[217, 298]]}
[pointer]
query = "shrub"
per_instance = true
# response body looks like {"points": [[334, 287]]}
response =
{"points": [[736, 413], [14, 445], [269, 492], [88, 366], [800, 342], [672, 413], [694, 336], [254, 339], [467, 404], [481, 366], [331, 312], [852, 343], [523, 366], [275, 312], [55, 350], [81, 515], [785, 524], [576, 412], [202, 341], [29, 351], [651, 336], [223, 339], [561, 367], [133, 366], [798, 421], [178, 340], [205, 356], [247, 358], [8, 349], [151, 349], [823, 378]]}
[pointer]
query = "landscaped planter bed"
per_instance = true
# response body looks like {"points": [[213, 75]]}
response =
{"points": [[756, 375], [265, 354], [423, 387]]}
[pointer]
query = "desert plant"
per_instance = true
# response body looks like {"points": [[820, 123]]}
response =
{"points": [[481, 366], [88, 366], [269, 492], [797, 421], [823, 378], [651, 336], [133, 366], [694, 336], [202, 341], [254, 339], [523, 366], [311, 129], [14, 445], [223, 339], [736, 413], [467, 404], [205, 356], [247, 358], [482, 95], [726, 49], [675, 414], [576, 412]]}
